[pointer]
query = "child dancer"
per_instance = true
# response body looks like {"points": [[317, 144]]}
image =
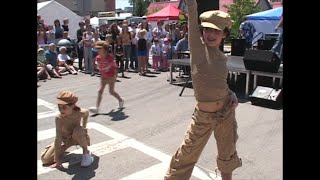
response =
{"points": [[71, 129], [108, 71]]}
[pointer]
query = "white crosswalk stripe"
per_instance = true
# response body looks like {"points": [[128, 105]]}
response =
{"points": [[118, 142]]}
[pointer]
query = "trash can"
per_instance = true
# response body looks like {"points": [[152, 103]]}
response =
{"points": [[66, 43]]}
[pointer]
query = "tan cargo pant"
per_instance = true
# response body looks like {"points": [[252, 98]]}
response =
{"points": [[224, 125], [79, 137]]}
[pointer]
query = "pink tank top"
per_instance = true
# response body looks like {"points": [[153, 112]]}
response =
{"points": [[107, 66]]}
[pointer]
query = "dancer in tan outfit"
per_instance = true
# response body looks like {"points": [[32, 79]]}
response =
{"points": [[216, 103], [69, 132]]}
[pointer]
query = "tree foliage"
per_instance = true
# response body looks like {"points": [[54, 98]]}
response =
{"points": [[139, 7]]}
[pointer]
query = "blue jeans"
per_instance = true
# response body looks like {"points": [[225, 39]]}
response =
{"points": [[127, 54], [134, 57]]}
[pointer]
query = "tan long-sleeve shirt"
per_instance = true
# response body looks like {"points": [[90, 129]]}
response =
{"points": [[208, 65]]}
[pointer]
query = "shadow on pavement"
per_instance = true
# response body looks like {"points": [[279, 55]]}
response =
{"points": [[81, 173], [117, 115]]}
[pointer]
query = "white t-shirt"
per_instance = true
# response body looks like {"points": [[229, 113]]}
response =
{"points": [[134, 31], [63, 57], [156, 50], [161, 31]]}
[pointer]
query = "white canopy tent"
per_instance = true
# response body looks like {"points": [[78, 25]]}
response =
{"points": [[94, 21], [51, 10]]}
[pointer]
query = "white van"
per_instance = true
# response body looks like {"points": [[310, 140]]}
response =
{"points": [[110, 20], [135, 19]]}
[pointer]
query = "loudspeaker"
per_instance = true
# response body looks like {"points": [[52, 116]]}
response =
{"points": [[266, 96], [261, 60], [238, 47], [206, 5], [266, 44], [268, 36]]}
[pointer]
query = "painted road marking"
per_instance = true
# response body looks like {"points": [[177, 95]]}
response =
{"points": [[98, 149], [119, 142], [46, 104]]}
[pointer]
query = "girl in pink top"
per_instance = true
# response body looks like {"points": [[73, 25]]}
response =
{"points": [[108, 71]]}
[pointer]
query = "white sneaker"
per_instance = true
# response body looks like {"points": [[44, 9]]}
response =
{"points": [[121, 104], [87, 160], [94, 110]]}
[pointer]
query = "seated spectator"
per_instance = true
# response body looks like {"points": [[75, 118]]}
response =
{"points": [[52, 60], [64, 62], [41, 65], [182, 45]]}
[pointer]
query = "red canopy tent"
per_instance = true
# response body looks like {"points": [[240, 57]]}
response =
{"points": [[167, 13]]}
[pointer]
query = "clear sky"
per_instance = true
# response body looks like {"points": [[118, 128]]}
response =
{"points": [[122, 3]]}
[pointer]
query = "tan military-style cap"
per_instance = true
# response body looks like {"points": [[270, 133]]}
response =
{"points": [[215, 19], [67, 97]]}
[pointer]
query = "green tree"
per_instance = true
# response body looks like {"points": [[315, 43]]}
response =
{"points": [[155, 10], [139, 7], [238, 10]]}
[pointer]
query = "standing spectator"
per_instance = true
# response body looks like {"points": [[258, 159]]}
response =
{"points": [[41, 35], [65, 25], [88, 35], [88, 25], [162, 33], [114, 33], [58, 31], [142, 52], [166, 54], [119, 52], [133, 58], [38, 21], [277, 47], [96, 38], [126, 36], [247, 31], [50, 35], [103, 32], [156, 51], [148, 37], [80, 32]]}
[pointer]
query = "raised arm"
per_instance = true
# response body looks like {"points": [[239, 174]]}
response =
{"points": [[193, 27]]}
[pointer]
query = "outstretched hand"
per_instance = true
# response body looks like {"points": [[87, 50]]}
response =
{"points": [[57, 165], [234, 100]]}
